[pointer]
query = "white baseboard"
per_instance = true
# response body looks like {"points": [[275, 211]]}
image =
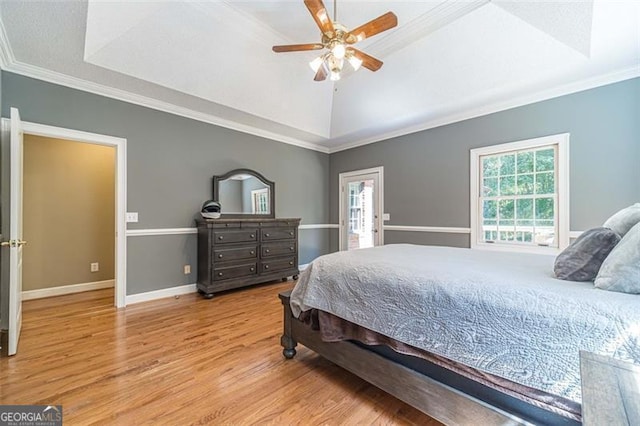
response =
{"points": [[160, 294], [66, 289]]}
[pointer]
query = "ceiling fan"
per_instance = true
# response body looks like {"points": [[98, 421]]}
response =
{"points": [[339, 41]]}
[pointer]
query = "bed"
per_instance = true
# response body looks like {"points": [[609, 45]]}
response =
{"points": [[476, 336]]}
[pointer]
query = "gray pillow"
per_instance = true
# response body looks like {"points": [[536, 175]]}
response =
{"points": [[621, 269], [581, 261], [624, 220]]}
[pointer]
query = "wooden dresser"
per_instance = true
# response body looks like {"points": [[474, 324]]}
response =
{"points": [[236, 253]]}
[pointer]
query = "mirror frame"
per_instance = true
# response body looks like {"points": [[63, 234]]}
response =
{"points": [[272, 194]]}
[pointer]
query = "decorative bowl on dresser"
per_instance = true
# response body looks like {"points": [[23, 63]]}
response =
{"points": [[247, 245], [236, 253]]}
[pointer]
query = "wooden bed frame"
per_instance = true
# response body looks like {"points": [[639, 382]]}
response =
{"points": [[437, 399]]}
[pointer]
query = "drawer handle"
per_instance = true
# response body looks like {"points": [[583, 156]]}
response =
{"points": [[221, 237], [266, 235], [219, 274], [252, 269], [226, 224], [291, 233], [290, 263], [219, 256], [252, 236], [252, 252], [291, 248], [266, 266], [267, 251]]}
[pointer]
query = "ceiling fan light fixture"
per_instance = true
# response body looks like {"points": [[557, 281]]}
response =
{"points": [[338, 50], [316, 63], [355, 62], [334, 76], [335, 64]]}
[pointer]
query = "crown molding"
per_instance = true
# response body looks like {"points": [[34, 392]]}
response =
{"points": [[567, 89], [122, 95], [10, 64]]}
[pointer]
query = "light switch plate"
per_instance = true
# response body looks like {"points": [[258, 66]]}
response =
{"points": [[132, 217], [386, 216]]}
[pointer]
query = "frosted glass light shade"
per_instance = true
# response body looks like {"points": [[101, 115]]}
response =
{"points": [[355, 62], [316, 63], [339, 51]]}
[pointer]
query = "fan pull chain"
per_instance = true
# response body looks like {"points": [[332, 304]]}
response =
{"points": [[335, 10]]}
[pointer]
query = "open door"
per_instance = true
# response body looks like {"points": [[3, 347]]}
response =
{"points": [[15, 242], [360, 209]]}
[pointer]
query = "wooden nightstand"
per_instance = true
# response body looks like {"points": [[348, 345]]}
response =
{"points": [[610, 391]]}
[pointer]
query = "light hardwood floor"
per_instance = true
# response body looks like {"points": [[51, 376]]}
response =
{"points": [[181, 361]]}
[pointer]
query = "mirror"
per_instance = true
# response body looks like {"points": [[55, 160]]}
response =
{"points": [[244, 193]]}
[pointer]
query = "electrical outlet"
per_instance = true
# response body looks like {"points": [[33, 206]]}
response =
{"points": [[187, 269], [132, 217], [95, 267]]}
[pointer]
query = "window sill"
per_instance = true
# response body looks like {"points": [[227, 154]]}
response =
{"points": [[552, 251]]}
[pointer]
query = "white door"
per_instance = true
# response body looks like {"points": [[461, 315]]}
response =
{"points": [[361, 209], [15, 234]]}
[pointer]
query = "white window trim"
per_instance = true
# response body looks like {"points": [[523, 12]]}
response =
{"points": [[562, 141]]}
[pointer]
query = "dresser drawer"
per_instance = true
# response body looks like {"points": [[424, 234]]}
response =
{"points": [[279, 265], [224, 237], [270, 234], [282, 248], [225, 225], [223, 255], [234, 271], [280, 223]]}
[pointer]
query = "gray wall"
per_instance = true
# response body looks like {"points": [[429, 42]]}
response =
{"points": [[171, 160], [427, 173]]}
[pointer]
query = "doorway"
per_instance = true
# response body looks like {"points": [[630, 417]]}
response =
{"points": [[68, 217], [361, 206], [35, 129]]}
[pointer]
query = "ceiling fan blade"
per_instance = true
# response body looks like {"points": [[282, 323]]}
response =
{"points": [[321, 75], [297, 47], [371, 28], [320, 15], [367, 61]]}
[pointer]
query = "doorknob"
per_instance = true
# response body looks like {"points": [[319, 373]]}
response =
{"points": [[13, 243]]}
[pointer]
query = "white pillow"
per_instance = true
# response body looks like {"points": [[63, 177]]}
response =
{"points": [[624, 220], [620, 271]]}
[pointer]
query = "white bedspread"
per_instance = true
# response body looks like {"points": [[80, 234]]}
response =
{"points": [[502, 313]]}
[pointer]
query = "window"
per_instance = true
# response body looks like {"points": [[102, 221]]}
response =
{"points": [[519, 195], [355, 206], [260, 201]]}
